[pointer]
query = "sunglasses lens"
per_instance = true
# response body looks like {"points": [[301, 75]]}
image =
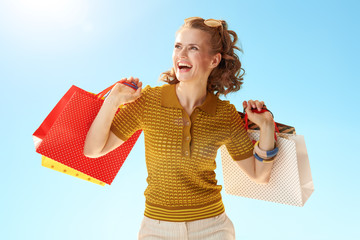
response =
{"points": [[212, 23], [192, 18]]}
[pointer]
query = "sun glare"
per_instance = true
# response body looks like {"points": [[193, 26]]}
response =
{"points": [[45, 8], [46, 26], [54, 13]]}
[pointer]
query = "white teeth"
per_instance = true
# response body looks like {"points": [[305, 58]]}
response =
{"points": [[184, 65]]}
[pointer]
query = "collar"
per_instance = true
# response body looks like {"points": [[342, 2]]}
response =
{"points": [[169, 99]]}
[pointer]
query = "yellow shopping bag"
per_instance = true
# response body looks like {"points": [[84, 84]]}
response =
{"points": [[52, 164]]}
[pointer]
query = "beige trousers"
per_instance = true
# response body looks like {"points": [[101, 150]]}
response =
{"points": [[214, 228]]}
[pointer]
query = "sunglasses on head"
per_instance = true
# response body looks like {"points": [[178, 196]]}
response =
{"points": [[208, 22]]}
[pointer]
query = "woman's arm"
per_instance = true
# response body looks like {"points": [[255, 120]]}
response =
{"points": [[100, 140], [256, 170]]}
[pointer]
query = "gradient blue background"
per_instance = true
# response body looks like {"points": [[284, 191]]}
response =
{"points": [[300, 57]]}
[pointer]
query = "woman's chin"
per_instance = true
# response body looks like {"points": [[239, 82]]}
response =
{"points": [[183, 78]]}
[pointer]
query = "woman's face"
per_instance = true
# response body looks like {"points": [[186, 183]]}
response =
{"points": [[191, 56]]}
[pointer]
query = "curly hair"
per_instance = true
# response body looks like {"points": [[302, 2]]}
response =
{"points": [[228, 75]]}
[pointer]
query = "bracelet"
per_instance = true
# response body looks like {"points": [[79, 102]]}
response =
{"points": [[265, 155], [264, 160]]}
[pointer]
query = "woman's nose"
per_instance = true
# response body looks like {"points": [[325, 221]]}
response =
{"points": [[183, 52]]}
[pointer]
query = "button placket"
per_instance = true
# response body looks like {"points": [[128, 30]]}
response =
{"points": [[186, 135], [193, 118]]}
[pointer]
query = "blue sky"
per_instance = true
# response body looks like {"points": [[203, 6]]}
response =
{"points": [[300, 57]]}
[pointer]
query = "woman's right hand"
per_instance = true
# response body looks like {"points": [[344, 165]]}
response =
{"points": [[100, 140], [121, 93]]}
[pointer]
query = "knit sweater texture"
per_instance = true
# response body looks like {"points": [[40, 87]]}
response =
{"points": [[180, 150]]}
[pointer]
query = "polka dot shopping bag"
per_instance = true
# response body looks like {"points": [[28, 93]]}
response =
{"points": [[290, 180], [61, 136]]}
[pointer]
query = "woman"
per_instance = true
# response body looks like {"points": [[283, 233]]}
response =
{"points": [[184, 124]]}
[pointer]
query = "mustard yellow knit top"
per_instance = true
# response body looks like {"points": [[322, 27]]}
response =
{"points": [[180, 151]]}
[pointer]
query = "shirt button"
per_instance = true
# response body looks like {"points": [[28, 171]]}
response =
{"points": [[187, 123], [186, 153], [187, 138]]}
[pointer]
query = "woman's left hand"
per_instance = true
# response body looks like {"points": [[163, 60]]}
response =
{"points": [[261, 119]]}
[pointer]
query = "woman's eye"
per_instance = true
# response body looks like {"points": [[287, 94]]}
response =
{"points": [[177, 46], [194, 48]]}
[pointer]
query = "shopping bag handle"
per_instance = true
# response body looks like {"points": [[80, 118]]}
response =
{"points": [[255, 110], [103, 92]]}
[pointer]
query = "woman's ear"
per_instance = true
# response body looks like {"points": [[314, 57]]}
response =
{"points": [[216, 60]]}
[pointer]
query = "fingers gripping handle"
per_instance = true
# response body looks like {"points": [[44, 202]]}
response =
{"points": [[103, 92], [264, 109]]}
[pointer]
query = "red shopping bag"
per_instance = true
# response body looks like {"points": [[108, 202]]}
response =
{"points": [[62, 135]]}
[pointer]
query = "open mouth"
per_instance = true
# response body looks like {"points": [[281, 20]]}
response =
{"points": [[184, 67]]}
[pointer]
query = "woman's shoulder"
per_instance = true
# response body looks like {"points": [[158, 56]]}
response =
{"points": [[156, 90], [149, 89], [152, 93], [225, 105]]}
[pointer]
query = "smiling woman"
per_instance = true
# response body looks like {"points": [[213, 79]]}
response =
{"points": [[204, 39], [191, 56], [184, 125]]}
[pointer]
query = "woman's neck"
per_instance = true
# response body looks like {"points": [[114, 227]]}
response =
{"points": [[191, 94]]}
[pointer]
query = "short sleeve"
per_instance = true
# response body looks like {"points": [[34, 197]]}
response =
{"points": [[129, 117], [238, 144]]}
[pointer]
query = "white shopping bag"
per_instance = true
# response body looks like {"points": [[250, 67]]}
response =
{"points": [[290, 180]]}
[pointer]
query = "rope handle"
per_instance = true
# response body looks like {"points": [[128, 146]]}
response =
{"points": [[264, 109], [103, 92]]}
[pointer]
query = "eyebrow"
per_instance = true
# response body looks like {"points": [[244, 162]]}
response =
{"points": [[191, 44]]}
